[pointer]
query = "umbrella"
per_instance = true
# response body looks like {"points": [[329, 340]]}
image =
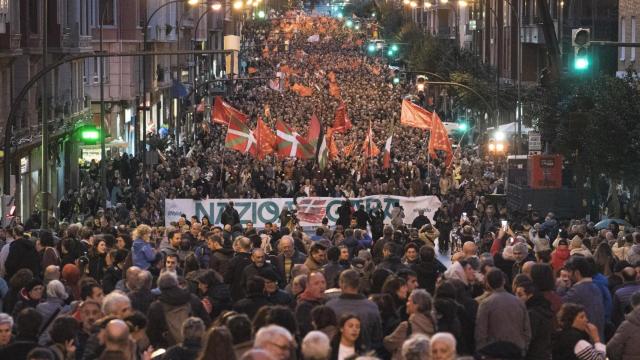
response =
{"points": [[604, 224]]}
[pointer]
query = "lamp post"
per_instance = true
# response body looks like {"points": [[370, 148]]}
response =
{"points": [[44, 182], [145, 32], [103, 151]]}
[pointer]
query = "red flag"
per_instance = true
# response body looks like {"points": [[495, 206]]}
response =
{"points": [[222, 112], [439, 140], [348, 149], [386, 159], [302, 90], [240, 137], [341, 122], [414, 115], [265, 139], [369, 148]]}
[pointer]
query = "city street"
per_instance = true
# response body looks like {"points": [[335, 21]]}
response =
{"points": [[253, 179]]}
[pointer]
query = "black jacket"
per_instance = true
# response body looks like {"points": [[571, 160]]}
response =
{"points": [[362, 218], [280, 297], [156, 318], [219, 260], [303, 315], [428, 273], [188, 350], [541, 319], [22, 254], [234, 274], [141, 300], [251, 304], [19, 348]]}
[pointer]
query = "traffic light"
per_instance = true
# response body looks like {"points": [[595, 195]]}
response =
{"points": [[463, 127], [580, 39], [371, 48], [394, 47], [261, 14], [349, 23], [89, 134]]}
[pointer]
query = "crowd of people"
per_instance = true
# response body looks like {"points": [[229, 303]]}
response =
{"points": [[117, 283]]}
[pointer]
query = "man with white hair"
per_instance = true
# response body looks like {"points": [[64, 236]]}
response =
{"points": [[275, 340], [287, 257], [316, 346], [116, 304]]}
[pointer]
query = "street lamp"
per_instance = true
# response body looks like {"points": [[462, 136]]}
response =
{"points": [[216, 6], [145, 31], [237, 5], [413, 4]]}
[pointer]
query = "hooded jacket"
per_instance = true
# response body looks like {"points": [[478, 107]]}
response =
{"points": [[420, 324], [559, 257], [173, 297], [143, 254], [625, 343]]}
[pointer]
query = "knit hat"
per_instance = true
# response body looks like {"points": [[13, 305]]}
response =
{"points": [[33, 283]]}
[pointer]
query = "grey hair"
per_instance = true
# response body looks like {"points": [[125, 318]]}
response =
{"points": [[285, 238], [143, 280], [316, 346], [268, 333], [55, 289], [417, 347], [422, 299], [6, 319], [193, 328], [111, 300], [444, 337]]}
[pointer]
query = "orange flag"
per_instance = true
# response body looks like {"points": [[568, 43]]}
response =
{"points": [[415, 116], [331, 144], [369, 147], [439, 140], [348, 149], [341, 121], [265, 138], [334, 90], [302, 90]]}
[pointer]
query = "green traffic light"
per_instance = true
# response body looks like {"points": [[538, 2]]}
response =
{"points": [[261, 14], [581, 63], [394, 47], [349, 23], [463, 127], [371, 47], [390, 52], [396, 80], [339, 15]]}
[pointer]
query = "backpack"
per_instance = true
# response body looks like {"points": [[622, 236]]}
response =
{"points": [[175, 317]]}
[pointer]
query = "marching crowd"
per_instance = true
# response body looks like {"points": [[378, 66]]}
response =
{"points": [[117, 283]]}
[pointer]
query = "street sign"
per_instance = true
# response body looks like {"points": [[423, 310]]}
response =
{"points": [[535, 143]]}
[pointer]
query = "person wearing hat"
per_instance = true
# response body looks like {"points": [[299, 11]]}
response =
{"points": [[275, 295], [30, 296]]}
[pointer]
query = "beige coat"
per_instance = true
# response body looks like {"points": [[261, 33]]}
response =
{"points": [[420, 324]]}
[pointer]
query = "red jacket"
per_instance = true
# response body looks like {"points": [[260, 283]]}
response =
{"points": [[558, 257]]}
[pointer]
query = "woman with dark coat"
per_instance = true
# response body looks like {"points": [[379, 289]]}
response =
{"points": [[578, 339], [212, 288], [449, 314], [97, 260], [116, 260], [428, 269]]}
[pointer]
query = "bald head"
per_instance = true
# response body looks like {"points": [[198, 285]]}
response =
{"points": [[629, 274], [116, 335], [131, 275]]}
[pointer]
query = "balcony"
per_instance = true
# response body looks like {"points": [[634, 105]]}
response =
{"points": [[73, 42], [10, 45]]}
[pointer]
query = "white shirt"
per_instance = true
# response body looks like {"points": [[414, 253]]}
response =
{"points": [[345, 351]]}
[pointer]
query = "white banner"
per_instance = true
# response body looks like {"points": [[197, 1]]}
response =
{"points": [[311, 210]]}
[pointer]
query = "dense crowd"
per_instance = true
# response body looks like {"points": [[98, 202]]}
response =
{"points": [[120, 284]]}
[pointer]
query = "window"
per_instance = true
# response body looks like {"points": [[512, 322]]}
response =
{"points": [[95, 70], [623, 38], [633, 37], [4, 15], [34, 25], [109, 16]]}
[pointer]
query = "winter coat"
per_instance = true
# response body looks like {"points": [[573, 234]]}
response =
{"points": [[625, 343], [587, 294], [143, 254], [420, 324], [251, 304], [278, 262], [19, 348], [494, 324], [564, 343], [22, 254], [188, 350], [219, 260], [234, 274], [429, 237], [366, 310], [559, 257], [428, 273], [541, 319], [171, 297], [303, 314]]}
